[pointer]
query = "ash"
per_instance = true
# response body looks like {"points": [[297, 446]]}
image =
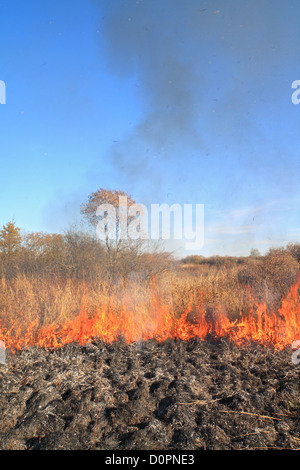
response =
{"points": [[150, 396]]}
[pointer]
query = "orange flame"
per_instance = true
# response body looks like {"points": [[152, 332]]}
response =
{"points": [[277, 329]]}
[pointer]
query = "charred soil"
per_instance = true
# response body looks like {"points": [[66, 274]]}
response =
{"points": [[150, 395]]}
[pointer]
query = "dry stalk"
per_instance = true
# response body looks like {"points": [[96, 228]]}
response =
{"points": [[250, 414], [200, 402], [98, 401]]}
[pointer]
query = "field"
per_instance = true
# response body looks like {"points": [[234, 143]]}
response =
{"points": [[177, 394], [197, 356]]}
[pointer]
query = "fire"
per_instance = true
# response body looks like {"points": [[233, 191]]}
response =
{"points": [[277, 329]]}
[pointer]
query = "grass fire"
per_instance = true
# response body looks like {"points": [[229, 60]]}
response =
{"points": [[149, 227], [143, 351], [156, 320]]}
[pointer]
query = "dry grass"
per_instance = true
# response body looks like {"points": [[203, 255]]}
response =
{"points": [[214, 286], [26, 299], [45, 301]]}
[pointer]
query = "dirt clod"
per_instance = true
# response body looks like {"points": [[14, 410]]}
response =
{"points": [[150, 395]]}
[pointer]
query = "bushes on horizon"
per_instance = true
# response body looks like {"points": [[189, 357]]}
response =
{"points": [[75, 254], [213, 260], [270, 276]]}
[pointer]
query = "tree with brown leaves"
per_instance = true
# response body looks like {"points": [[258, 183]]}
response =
{"points": [[119, 249]]}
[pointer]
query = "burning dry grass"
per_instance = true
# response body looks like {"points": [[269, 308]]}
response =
{"points": [[179, 304], [25, 299], [97, 391], [215, 286]]}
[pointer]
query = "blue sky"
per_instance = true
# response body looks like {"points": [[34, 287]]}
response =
{"points": [[173, 101]]}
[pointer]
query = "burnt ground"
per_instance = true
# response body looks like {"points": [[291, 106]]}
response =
{"points": [[148, 396]]}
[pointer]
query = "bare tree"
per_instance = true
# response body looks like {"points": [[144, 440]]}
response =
{"points": [[125, 256]]}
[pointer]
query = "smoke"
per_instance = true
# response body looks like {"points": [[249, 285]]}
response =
{"points": [[197, 66], [147, 40]]}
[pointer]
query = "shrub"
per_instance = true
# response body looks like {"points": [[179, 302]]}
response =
{"points": [[270, 276]]}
